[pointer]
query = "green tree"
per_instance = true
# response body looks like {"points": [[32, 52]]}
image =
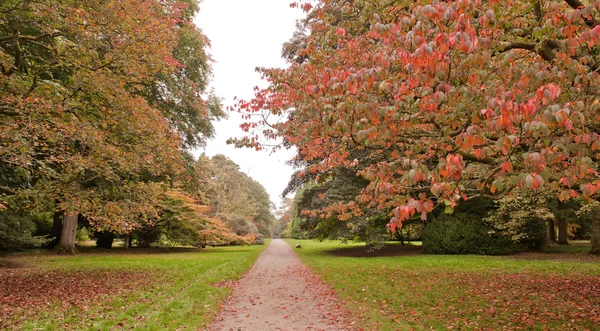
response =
{"points": [[232, 192]]}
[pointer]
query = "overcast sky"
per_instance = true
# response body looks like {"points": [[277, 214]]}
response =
{"points": [[245, 35]]}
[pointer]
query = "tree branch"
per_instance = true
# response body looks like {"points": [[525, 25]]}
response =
{"points": [[576, 4], [545, 51], [34, 84], [538, 11], [461, 129], [7, 190], [28, 38], [470, 157]]}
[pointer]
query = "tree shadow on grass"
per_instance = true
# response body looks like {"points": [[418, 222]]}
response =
{"points": [[371, 251], [8, 264]]}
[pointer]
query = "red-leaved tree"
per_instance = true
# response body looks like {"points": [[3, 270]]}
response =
{"points": [[448, 99]]}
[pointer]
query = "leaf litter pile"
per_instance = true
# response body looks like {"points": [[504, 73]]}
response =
{"points": [[27, 292]]}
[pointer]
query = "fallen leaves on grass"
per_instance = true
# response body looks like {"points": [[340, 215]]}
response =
{"points": [[483, 301], [26, 292]]}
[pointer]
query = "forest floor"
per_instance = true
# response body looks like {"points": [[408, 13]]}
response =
{"points": [[281, 293]]}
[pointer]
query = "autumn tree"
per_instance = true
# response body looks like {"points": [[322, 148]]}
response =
{"points": [[83, 122], [453, 99], [184, 221]]}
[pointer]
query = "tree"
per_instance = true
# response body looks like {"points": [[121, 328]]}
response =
{"points": [[284, 215], [263, 217], [81, 120], [524, 217], [184, 221], [181, 94], [452, 100], [232, 192]]}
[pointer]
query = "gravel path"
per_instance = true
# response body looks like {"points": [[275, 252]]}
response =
{"points": [[280, 293]]}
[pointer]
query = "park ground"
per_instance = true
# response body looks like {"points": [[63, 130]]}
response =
{"points": [[395, 288]]}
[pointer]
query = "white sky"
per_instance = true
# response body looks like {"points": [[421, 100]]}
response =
{"points": [[246, 34]]}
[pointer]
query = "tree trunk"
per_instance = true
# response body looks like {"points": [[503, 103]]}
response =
{"points": [[57, 221], [127, 241], [596, 233], [105, 239], [562, 231], [546, 245], [399, 236], [66, 244], [552, 231]]}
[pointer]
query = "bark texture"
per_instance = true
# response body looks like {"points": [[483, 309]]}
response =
{"points": [[552, 231], [57, 221], [127, 241], [562, 231], [66, 244]]}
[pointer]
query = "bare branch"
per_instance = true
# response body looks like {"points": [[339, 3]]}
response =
{"points": [[461, 129]]}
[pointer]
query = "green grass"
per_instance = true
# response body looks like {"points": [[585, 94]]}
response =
{"points": [[176, 290], [571, 248], [439, 292]]}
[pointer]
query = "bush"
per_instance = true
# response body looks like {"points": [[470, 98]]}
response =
{"points": [[296, 231], [461, 233], [83, 234], [279, 231], [522, 217], [148, 235], [259, 240], [536, 234], [18, 231]]}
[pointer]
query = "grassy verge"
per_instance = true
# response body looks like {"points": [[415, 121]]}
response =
{"points": [[414, 291], [177, 289]]}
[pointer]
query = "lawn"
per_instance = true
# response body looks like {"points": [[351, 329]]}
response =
{"points": [[155, 289], [403, 289]]}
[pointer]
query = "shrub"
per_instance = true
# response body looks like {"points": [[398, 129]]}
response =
{"points": [[522, 216], [461, 233], [296, 231], [18, 231], [83, 234], [259, 240]]}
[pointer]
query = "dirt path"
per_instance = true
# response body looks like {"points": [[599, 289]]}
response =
{"points": [[280, 293]]}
